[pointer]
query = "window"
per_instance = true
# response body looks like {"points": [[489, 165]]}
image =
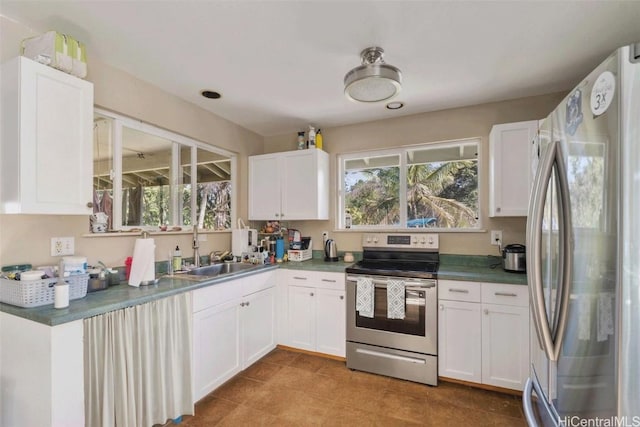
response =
{"points": [[144, 177], [431, 186]]}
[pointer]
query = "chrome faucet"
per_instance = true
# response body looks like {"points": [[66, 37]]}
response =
{"points": [[196, 247]]}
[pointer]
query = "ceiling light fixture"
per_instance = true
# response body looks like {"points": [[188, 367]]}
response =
{"points": [[373, 81]]}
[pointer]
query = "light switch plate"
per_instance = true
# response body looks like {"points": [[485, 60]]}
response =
{"points": [[61, 246]]}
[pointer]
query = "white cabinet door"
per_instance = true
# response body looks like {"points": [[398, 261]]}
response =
{"points": [[258, 325], [302, 317], [264, 187], [459, 340], [48, 116], [216, 346], [305, 185], [331, 322], [505, 345], [509, 166], [292, 185]]}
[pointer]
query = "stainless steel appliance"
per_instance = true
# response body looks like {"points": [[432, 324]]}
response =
{"points": [[514, 258], [330, 250], [406, 347], [583, 254]]}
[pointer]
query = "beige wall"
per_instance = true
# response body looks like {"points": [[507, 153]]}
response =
{"points": [[475, 121], [26, 238]]}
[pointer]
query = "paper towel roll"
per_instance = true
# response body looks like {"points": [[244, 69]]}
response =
{"points": [[143, 264]]}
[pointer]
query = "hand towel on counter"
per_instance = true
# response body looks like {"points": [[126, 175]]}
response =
{"points": [[365, 290], [143, 265], [395, 299]]}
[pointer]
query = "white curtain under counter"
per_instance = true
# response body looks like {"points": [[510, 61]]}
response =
{"points": [[137, 364]]}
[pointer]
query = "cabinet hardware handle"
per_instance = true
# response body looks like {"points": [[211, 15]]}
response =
{"points": [[299, 278], [486, 311], [89, 204], [241, 304], [341, 296], [329, 280], [505, 294], [460, 291], [441, 307], [311, 294], [497, 209], [247, 303]]}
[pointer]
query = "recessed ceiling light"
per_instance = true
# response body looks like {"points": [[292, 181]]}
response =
{"points": [[395, 105], [210, 94]]}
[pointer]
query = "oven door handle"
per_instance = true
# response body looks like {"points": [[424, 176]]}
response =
{"points": [[408, 284]]}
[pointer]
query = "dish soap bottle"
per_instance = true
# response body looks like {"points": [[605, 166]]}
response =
{"points": [[177, 259], [319, 140]]}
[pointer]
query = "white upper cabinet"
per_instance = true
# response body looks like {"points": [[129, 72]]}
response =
{"points": [[509, 165], [292, 185], [46, 142]]}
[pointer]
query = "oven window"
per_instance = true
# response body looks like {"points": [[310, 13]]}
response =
{"points": [[412, 324]]}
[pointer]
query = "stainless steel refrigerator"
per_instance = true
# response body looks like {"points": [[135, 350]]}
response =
{"points": [[583, 254]]}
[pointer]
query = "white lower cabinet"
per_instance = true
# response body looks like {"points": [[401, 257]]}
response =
{"points": [[459, 343], [233, 326], [316, 312], [483, 333]]}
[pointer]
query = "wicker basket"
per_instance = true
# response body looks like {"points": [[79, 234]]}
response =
{"points": [[34, 293]]}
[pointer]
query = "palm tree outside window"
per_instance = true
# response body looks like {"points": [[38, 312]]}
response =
{"points": [[432, 186]]}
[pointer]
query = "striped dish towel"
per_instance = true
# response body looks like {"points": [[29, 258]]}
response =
{"points": [[395, 299], [364, 296]]}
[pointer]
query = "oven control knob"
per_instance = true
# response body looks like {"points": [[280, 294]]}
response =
{"points": [[423, 240], [368, 239], [430, 240], [415, 241], [375, 240]]}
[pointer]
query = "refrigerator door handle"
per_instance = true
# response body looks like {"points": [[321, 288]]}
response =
{"points": [[534, 243], [566, 251], [550, 338], [530, 386], [527, 405]]}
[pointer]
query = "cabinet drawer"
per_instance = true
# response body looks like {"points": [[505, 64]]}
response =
{"points": [[318, 279], [499, 293], [459, 291], [216, 294], [258, 282]]}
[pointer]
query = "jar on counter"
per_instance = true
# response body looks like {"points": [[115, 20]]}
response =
{"points": [[301, 142]]}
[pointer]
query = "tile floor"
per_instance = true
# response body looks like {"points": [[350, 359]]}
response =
{"points": [[286, 388]]}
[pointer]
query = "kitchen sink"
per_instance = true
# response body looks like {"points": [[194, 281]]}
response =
{"points": [[214, 270]]}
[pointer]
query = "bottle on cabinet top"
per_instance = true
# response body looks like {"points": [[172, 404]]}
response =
{"points": [[312, 137], [319, 139]]}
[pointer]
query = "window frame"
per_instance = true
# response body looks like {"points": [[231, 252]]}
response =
{"points": [[402, 152], [118, 122]]}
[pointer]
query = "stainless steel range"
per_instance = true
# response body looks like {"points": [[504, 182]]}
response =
{"points": [[380, 339]]}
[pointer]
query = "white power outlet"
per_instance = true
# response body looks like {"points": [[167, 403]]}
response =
{"points": [[325, 236], [496, 237], [61, 246]]}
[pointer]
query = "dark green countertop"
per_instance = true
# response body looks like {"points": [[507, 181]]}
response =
{"points": [[118, 297], [476, 268], [452, 267]]}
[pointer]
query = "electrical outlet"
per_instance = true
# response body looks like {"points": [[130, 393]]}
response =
{"points": [[325, 236], [61, 246], [496, 237]]}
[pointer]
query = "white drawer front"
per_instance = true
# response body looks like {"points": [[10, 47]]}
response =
{"points": [[216, 294], [459, 291], [258, 282], [317, 279], [500, 293]]}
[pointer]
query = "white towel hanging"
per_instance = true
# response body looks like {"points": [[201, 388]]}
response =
{"points": [[395, 299], [365, 295]]}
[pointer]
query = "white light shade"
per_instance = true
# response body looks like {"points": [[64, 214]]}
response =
{"points": [[373, 81]]}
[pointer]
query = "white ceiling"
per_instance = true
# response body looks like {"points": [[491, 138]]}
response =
{"points": [[280, 64]]}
